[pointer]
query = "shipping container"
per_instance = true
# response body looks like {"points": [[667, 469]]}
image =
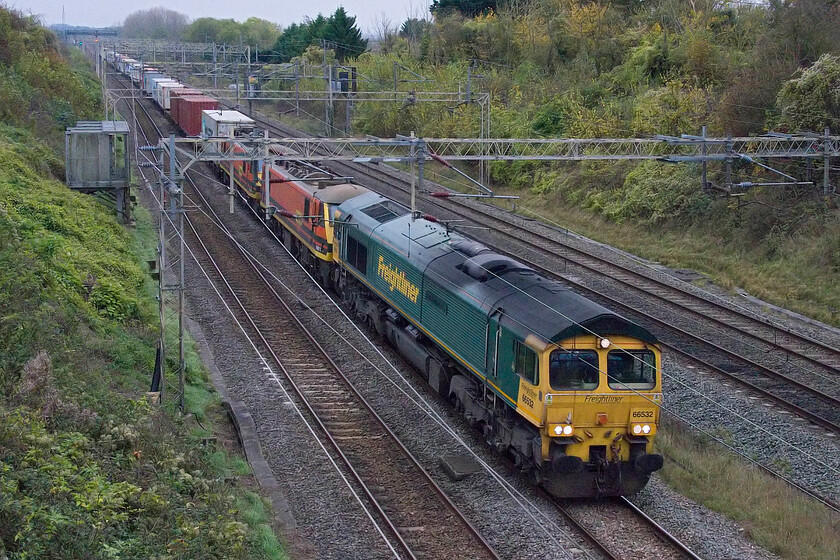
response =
{"points": [[149, 81], [185, 92], [221, 123], [145, 72], [174, 106], [181, 92], [162, 92], [124, 64], [157, 83], [135, 71], [187, 112]]}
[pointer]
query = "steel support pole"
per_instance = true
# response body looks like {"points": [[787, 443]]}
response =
{"points": [[297, 89], [230, 187], [347, 105], [421, 157], [161, 276], [413, 185], [728, 161], [703, 182], [176, 216], [827, 163], [267, 179]]}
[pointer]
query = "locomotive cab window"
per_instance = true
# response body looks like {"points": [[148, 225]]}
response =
{"points": [[573, 370], [631, 369], [357, 254], [526, 363]]}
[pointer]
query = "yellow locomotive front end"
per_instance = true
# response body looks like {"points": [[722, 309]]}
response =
{"points": [[601, 407]]}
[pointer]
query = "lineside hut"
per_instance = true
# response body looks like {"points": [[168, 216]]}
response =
{"points": [[97, 161]]}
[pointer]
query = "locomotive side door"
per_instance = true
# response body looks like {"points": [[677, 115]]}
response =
{"points": [[491, 355]]}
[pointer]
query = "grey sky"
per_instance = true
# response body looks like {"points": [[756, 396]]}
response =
{"points": [[101, 13]]}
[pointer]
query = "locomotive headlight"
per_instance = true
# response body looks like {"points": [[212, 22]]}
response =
{"points": [[563, 430], [646, 429], [637, 429], [604, 342]]}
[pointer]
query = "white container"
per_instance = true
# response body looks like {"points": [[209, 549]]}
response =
{"points": [[149, 78], [162, 93], [125, 64], [135, 71], [156, 83], [222, 123]]}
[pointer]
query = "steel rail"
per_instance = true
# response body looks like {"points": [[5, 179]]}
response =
{"points": [[663, 534], [298, 391], [659, 529], [583, 530], [337, 370]]}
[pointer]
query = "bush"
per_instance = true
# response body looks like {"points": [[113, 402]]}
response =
{"points": [[654, 193], [811, 101]]}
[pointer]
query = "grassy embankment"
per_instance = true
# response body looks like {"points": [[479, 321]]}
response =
{"points": [[773, 514], [88, 468]]}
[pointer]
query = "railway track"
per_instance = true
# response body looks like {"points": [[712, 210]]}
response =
{"points": [[312, 378], [417, 513], [794, 370], [681, 551], [411, 508], [670, 547]]}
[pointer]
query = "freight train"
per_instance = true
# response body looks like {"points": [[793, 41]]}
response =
{"points": [[568, 389]]}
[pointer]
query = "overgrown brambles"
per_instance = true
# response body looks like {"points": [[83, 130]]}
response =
{"points": [[87, 468]]}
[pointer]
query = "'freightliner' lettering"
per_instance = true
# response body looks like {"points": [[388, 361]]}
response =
{"points": [[602, 399], [396, 280]]}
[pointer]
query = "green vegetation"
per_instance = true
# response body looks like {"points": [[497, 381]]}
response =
{"points": [[775, 515], [258, 33], [155, 23], [562, 68], [163, 23], [88, 467], [339, 31]]}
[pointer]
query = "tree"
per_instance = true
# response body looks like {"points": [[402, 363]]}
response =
{"points": [[339, 31], [292, 42], [414, 28], [347, 40], [212, 30], [469, 8], [155, 23], [811, 101], [260, 33]]}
